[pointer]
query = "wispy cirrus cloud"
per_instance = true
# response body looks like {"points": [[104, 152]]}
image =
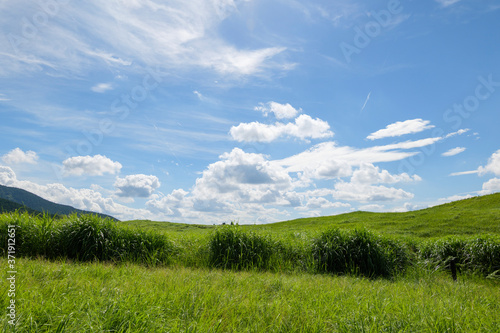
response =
{"points": [[454, 151], [446, 3], [177, 35], [400, 128]]}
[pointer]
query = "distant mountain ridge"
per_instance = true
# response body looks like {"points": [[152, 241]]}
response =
{"points": [[36, 203]]}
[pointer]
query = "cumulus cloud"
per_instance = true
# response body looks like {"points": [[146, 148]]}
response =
{"points": [[370, 174], [102, 87], [280, 111], [401, 128], [329, 169], [323, 203], [96, 165], [7, 176], [372, 208], [493, 165], [171, 204], [303, 128], [454, 198], [16, 156], [242, 177], [491, 186], [365, 193], [141, 186]]}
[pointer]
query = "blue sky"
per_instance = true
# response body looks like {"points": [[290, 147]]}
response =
{"points": [[208, 111]]}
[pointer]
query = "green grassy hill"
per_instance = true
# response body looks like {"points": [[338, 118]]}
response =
{"points": [[476, 215]]}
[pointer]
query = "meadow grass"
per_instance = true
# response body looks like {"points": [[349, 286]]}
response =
{"points": [[68, 296]]}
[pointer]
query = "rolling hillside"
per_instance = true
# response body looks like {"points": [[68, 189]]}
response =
{"points": [[465, 217], [38, 204]]}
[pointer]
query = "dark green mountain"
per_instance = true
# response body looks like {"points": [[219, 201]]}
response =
{"points": [[7, 206], [36, 203]]}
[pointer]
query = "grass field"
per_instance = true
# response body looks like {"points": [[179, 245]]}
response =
{"points": [[308, 275], [96, 297]]}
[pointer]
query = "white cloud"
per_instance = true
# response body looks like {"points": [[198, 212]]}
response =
{"points": [[331, 169], [174, 34], [7, 176], [401, 128], [17, 156], [322, 203], [446, 3], [102, 87], [139, 185], [318, 155], [454, 151], [365, 193], [370, 174], [281, 111], [459, 132], [493, 165], [372, 208], [464, 173], [303, 128], [96, 165], [171, 204], [454, 198], [242, 177], [491, 186]]}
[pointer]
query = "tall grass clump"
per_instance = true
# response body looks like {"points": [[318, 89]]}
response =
{"points": [[357, 252], [483, 255], [232, 248], [90, 237], [84, 238], [476, 255], [35, 235]]}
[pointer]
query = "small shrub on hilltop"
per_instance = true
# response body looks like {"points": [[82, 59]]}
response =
{"points": [[357, 252], [230, 247]]}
